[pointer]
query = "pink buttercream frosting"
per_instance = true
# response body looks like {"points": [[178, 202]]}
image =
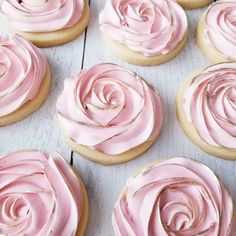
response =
{"points": [[39, 195], [151, 27], [210, 104], [41, 15], [174, 197], [22, 70], [220, 28], [110, 109]]}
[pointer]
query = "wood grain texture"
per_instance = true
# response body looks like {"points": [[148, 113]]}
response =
{"points": [[105, 183]]}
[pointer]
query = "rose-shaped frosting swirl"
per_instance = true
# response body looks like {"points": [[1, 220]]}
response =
{"points": [[22, 70], [220, 28], [41, 15], [151, 27], [39, 195], [175, 197], [210, 104], [110, 109]]}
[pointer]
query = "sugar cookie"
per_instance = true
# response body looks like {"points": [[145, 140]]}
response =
{"points": [[206, 108], [46, 23], [216, 31], [178, 196], [25, 79], [144, 32], [109, 114]]}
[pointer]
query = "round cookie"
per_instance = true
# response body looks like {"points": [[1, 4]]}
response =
{"points": [[144, 33], [178, 196], [41, 195], [109, 114], [192, 4], [25, 79], [206, 109], [55, 25], [216, 32]]}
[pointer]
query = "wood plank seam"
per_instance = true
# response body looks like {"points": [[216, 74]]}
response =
{"points": [[81, 68]]}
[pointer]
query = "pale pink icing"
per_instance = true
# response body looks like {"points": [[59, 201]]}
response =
{"points": [[109, 109], [151, 27], [210, 104], [220, 29], [22, 70], [174, 197], [39, 195], [41, 15]]}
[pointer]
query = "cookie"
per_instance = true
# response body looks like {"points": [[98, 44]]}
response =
{"points": [[109, 114], [25, 79], [206, 108], [46, 23], [216, 32], [178, 196], [41, 194], [144, 32]]}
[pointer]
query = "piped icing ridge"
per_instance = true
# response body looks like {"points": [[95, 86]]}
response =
{"points": [[174, 197], [39, 195], [22, 70], [42, 16], [151, 27], [110, 109], [220, 27], [210, 105]]}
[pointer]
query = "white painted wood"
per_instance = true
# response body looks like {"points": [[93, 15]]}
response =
{"points": [[105, 183]]}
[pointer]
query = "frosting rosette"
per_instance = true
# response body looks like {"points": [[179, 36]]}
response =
{"points": [[220, 27], [39, 195], [41, 15], [174, 197], [22, 71], [210, 105], [151, 27], [110, 109]]}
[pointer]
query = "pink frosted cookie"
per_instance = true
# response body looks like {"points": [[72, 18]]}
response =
{"points": [[109, 114], [216, 31], [25, 79], [40, 194], [144, 32], [174, 197], [46, 23], [206, 108]]}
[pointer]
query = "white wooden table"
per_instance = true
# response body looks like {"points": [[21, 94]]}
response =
{"points": [[40, 130]]}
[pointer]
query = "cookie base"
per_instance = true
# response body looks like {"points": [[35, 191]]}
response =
{"points": [[136, 58], [82, 225], [105, 159], [31, 105], [55, 38], [192, 4], [190, 130], [209, 50]]}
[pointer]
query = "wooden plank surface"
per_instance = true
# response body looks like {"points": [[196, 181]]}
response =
{"points": [[104, 184]]}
